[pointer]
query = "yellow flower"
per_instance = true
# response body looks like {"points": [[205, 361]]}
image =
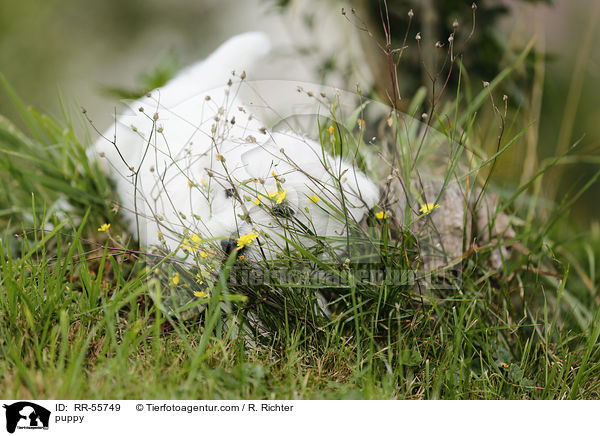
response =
{"points": [[314, 198], [381, 215], [201, 294], [186, 244], [104, 228], [331, 129], [428, 208], [195, 238], [257, 201], [203, 254], [175, 279], [246, 239], [203, 181], [281, 196], [192, 243], [361, 124]]}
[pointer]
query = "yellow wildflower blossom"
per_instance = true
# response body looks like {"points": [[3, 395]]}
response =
{"points": [[257, 201], [104, 227], [331, 129], [428, 208], [281, 196], [201, 294], [175, 279], [314, 198], [246, 239], [381, 215]]}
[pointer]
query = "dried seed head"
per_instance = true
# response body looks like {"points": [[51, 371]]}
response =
{"points": [[155, 117], [473, 6], [455, 23], [207, 98], [438, 44], [243, 76], [418, 37], [411, 13], [486, 84], [141, 109], [451, 38]]}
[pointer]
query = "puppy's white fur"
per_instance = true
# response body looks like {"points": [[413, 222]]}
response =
{"points": [[175, 171]]}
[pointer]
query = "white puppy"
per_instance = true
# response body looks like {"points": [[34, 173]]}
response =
{"points": [[189, 158]]}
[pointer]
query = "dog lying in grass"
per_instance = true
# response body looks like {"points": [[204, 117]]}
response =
{"points": [[192, 163], [197, 173]]}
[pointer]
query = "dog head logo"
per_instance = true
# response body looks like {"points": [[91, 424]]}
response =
{"points": [[26, 415]]}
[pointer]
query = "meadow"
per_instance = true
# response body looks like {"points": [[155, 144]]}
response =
{"points": [[85, 312]]}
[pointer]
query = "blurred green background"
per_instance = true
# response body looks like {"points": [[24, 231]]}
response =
{"points": [[83, 48]]}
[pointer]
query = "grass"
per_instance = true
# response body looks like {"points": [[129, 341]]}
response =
{"points": [[85, 314]]}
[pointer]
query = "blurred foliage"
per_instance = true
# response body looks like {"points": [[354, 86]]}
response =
{"points": [[166, 68], [479, 41]]}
